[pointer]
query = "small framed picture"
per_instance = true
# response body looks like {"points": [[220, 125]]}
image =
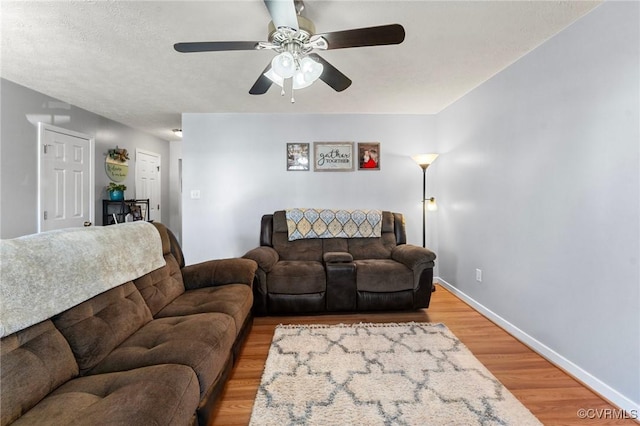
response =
{"points": [[333, 156], [297, 156], [136, 211], [368, 156]]}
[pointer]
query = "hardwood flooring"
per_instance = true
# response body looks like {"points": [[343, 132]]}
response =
{"points": [[550, 394]]}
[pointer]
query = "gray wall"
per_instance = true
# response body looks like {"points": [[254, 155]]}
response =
{"points": [[175, 190], [238, 163], [18, 153], [538, 183]]}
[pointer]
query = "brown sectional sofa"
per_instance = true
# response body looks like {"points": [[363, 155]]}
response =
{"points": [[339, 274], [154, 350]]}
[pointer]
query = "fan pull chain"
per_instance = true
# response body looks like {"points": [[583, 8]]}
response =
{"points": [[283, 91]]}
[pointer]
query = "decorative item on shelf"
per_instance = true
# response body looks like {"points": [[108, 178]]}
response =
{"points": [[116, 191], [117, 164], [119, 154], [424, 161], [119, 211]]}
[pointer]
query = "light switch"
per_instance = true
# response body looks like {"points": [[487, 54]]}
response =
{"points": [[195, 194]]}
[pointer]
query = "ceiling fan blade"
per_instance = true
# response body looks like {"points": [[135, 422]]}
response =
{"points": [[262, 84], [371, 36], [283, 13], [215, 46], [330, 74]]}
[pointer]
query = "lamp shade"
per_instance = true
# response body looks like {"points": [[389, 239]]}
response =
{"points": [[424, 160], [309, 72], [271, 75], [284, 65]]}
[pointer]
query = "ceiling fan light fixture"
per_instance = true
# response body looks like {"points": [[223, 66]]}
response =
{"points": [[299, 82], [292, 37], [311, 69], [284, 65], [308, 73], [275, 78]]}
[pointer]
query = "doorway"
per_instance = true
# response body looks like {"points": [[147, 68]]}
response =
{"points": [[148, 181], [65, 178]]}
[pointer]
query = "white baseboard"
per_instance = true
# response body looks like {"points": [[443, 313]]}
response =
{"points": [[595, 384]]}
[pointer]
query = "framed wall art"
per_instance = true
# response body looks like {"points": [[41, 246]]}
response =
{"points": [[368, 156], [333, 156], [297, 156]]}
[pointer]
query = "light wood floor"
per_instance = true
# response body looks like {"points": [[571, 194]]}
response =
{"points": [[549, 393]]}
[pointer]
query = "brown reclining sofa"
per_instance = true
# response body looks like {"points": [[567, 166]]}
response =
{"points": [[154, 349], [319, 273]]}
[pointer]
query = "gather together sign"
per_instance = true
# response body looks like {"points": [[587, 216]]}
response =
{"points": [[333, 156]]}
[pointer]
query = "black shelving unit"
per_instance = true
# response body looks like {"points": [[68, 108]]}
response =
{"points": [[113, 211]]}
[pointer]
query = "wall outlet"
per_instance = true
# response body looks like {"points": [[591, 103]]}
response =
{"points": [[195, 194], [479, 275]]}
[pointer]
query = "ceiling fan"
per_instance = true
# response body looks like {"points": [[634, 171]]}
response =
{"points": [[294, 39]]}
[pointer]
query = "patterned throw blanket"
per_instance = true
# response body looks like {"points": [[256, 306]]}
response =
{"points": [[44, 274], [325, 223]]}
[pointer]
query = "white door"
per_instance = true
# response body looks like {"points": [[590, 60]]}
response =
{"points": [[65, 178], [148, 181]]}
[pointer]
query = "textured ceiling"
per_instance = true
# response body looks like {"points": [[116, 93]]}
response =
{"points": [[116, 58]]}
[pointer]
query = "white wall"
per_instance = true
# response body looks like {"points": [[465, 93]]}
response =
{"points": [[21, 109], [238, 163], [538, 183]]}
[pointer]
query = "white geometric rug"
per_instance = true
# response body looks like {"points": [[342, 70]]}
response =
{"points": [[379, 374]]}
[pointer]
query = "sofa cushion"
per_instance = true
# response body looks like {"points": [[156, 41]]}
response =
{"points": [[234, 300], [96, 327], [162, 286], [383, 275], [293, 250], [335, 245], [33, 362], [310, 250], [296, 277], [201, 341], [158, 395], [372, 248]]}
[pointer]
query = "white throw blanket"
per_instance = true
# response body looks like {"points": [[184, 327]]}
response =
{"points": [[42, 275]]}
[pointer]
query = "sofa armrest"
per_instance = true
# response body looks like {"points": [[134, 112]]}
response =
{"points": [[264, 256], [337, 257], [219, 272], [413, 257]]}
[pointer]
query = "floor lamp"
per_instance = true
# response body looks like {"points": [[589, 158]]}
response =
{"points": [[424, 161]]}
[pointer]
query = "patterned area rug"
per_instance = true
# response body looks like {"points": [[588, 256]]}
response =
{"points": [[379, 374]]}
